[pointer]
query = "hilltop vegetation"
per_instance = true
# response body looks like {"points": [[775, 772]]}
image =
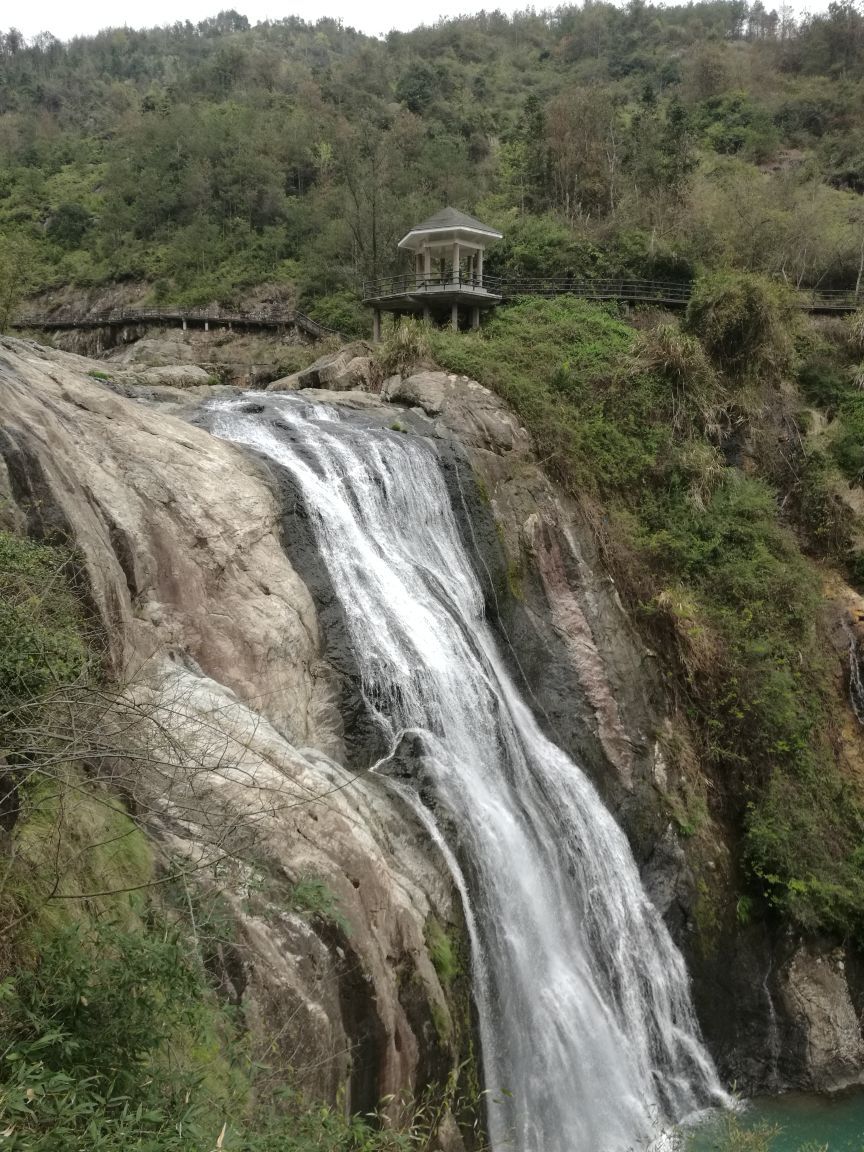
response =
{"points": [[207, 160]]}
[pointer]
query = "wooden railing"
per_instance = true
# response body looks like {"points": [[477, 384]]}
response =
{"points": [[669, 293], [219, 318]]}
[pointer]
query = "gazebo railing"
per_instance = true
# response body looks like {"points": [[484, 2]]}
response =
{"points": [[410, 282]]}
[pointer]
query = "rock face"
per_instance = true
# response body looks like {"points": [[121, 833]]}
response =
{"points": [[351, 367], [215, 635], [186, 543], [816, 996]]}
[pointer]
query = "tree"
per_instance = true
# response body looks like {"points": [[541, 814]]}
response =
{"points": [[17, 258]]}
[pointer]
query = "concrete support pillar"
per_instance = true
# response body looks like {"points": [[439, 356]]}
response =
{"points": [[454, 317], [475, 318], [184, 323], [455, 263], [480, 267], [206, 325], [427, 313], [376, 325]]}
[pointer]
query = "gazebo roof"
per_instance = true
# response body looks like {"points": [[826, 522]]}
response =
{"points": [[450, 220]]}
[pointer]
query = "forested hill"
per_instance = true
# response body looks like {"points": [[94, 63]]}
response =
{"points": [[206, 161]]}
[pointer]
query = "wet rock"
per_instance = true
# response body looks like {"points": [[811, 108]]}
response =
{"points": [[816, 996]]}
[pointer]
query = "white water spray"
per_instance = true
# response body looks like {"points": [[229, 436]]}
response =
{"points": [[588, 1035]]}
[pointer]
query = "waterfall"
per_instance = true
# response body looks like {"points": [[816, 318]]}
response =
{"points": [[856, 677], [589, 1041]]}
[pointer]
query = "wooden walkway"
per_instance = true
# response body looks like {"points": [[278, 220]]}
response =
{"points": [[202, 318], [661, 293]]}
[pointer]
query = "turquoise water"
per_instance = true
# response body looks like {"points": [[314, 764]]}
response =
{"points": [[835, 1123]]}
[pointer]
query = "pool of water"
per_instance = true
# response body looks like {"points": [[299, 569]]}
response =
{"points": [[835, 1123]]}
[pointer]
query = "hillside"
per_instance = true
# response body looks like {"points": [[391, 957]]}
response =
{"points": [[222, 161]]}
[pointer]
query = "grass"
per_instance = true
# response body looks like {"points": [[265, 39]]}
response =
{"points": [[632, 424], [442, 952], [42, 621]]}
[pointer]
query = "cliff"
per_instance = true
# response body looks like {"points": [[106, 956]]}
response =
{"points": [[251, 736]]}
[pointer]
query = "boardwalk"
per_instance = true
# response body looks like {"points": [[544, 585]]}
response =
{"points": [[661, 293], [204, 318]]}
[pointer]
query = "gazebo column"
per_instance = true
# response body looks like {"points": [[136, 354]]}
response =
{"points": [[479, 267], [456, 263], [427, 262], [454, 317]]}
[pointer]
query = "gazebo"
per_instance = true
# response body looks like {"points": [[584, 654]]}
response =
{"points": [[447, 257]]}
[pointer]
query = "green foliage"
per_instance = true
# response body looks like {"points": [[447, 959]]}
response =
{"points": [[313, 898], [41, 620], [18, 275], [734, 123], [701, 552], [404, 347], [212, 159], [111, 1039], [847, 446], [731, 1135], [68, 225], [745, 323], [556, 361], [442, 952], [342, 312], [87, 1030]]}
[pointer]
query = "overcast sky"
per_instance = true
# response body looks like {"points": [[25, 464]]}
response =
{"points": [[66, 19], [377, 17]]}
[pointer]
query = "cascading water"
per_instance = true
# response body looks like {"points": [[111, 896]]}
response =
{"points": [[856, 675], [589, 1039]]}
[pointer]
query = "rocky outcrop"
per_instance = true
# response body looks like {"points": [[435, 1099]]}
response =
{"points": [[176, 530], [826, 1045], [215, 639], [349, 368], [331, 883]]}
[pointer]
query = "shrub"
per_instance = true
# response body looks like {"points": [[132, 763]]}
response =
{"points": [[745, 322], [341, 311], [680, 359], [41, 620], [404, 347], [701, 554]]}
